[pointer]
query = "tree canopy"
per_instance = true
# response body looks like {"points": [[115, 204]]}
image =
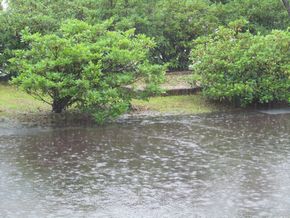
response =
{"points": [[172, 23], [87, 66]]}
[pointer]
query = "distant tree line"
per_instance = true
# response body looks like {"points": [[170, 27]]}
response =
{"points": [[172, 23]]}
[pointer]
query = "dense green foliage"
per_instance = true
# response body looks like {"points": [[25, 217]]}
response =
{"points": [[172, 23], [244, 68], [174, 26], [87, 66], [102, 49], [41, 16]]}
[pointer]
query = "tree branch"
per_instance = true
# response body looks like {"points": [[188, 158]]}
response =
{"points": [[39, 97]]}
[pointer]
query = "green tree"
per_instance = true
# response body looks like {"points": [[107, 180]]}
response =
{"points": [[243, 68], [87, 66]]}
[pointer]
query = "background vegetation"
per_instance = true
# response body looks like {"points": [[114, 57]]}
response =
{"points": [[172, 23], [179, 33]]}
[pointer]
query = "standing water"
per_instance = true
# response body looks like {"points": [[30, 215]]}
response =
{"points": [[218, 165]]}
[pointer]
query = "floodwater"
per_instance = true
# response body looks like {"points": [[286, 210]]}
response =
{"points": [[217, 165]]}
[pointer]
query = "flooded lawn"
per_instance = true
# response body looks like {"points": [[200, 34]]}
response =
{"points": [[218, 165]]}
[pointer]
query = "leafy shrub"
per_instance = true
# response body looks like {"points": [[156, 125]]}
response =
{"points": [[87, 66], [174, 26], [241, 67]]}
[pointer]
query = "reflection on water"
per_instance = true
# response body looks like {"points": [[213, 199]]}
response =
{"points": [[205, 166]]}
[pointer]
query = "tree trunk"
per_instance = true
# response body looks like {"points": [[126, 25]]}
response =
{"points": [[59, 105], [287, 6]]}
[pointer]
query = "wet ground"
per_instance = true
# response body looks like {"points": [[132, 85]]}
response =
{"points": [[215, 165]]}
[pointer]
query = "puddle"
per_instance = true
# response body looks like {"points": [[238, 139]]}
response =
{"points": [[276, 111]]}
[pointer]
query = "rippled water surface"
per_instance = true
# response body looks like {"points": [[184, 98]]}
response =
{"points": [[219, 165]]}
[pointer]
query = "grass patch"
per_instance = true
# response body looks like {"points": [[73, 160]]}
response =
{"points": [[12, 100], [189, 104]]}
